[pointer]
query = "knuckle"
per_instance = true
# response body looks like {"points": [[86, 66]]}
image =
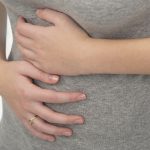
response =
{"points": [[49, 116], [49, 95], [46, 116], [25, 93], [53, 96], [41, 75], [54, 130], [50, 129], [67, 120], [25, 106], [38, 126]]}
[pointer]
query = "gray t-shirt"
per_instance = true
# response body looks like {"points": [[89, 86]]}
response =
{"points": [[117, 110]]}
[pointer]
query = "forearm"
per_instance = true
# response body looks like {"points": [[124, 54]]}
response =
{"points": [[129, 56], [3, 19]]}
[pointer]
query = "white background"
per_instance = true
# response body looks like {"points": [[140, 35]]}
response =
{"points": [[8, 48]]}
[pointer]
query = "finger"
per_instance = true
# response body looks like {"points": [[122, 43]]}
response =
{"points": [[50, 129], [51, 96], [37, 74], [39, 134], [26, 53], [24, 41], [47, 128], [27, 29], [54, 117], [51, 15]]}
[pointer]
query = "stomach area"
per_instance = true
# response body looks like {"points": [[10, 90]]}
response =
{"points": [[116, 108]]}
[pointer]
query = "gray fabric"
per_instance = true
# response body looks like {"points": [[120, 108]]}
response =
{"points": [[117, 109]]}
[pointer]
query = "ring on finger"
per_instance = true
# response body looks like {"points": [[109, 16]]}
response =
{"points": [[31, 120]]}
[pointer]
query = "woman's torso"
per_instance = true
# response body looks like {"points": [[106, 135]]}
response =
{"points": [[117, 108]]}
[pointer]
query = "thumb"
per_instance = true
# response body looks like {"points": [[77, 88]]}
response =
{"points": [[50, 15], [34, 73]]}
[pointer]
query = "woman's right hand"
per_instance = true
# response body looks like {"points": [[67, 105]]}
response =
{"points": [[26, 99]]}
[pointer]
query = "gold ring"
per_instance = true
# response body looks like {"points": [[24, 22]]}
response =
{"points": [[31, 121]]}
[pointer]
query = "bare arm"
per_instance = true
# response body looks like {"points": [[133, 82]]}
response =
{"points": [[127, 56], [19, 75], [3, 20], [77, 53]]}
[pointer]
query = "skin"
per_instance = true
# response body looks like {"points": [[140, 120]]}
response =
{"points": [[34, 44], [26, 98], [76, 52], [100, 55]]}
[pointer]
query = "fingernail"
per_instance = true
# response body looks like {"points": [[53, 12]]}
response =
{"points": [[82, 97], [79, 120], [67, 133], [54, 78]]}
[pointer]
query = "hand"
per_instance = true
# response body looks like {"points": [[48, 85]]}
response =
{"points": [[26, 99], [55, 49]]}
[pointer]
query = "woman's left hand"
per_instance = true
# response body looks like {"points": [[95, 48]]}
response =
{"points": [[57, 49]]}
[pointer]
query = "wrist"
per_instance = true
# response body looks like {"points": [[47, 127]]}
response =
{"points": [[83, 61], [98, 55], [91, 54]]}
